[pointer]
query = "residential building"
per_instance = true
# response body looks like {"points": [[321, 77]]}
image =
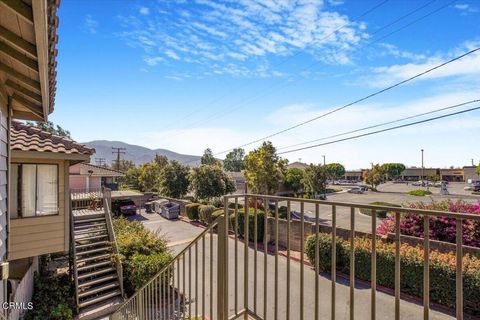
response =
{"points": [[86, 176]]}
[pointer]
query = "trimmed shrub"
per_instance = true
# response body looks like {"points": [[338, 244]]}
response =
{"points": [[251, 223], [419, 193], [140, 268], [142, 253], [231, 205], [192, 211], [217, 213], [382, 214], [442, 268], [51, 297], [205, 213]]}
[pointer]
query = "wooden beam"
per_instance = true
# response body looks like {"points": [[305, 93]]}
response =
{"points": [[20, 8], [20, 76], [18, 42], [33, 107], [24, 115], [23, 90], [17, 55]]}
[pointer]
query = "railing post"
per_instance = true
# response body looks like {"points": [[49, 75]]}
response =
{"points": [[222, 267]]}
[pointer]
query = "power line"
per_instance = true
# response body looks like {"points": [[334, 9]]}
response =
{"points": [[288, 58], [118, 152], [289, 81], [381, 124], [358, 100], [383, 130]]}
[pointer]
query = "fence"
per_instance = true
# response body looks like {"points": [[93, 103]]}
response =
{"points": [[23, 294], [246, 280]]}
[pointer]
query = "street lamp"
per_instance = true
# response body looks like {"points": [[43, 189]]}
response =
{"points": [[423, 172]]}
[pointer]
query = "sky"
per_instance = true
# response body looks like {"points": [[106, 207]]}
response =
{"points": [[188, 75]]}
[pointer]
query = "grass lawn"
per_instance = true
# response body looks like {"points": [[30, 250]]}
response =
{"points": [[419, 193], [382, 214]]}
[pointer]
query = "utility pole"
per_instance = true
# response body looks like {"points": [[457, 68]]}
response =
{"points": [[423, 171], [323, 159], [118, 151], [473, 164], [100, 162]]}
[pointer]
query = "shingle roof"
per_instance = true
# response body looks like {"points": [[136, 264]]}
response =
{"points": [[99, 171], [28, 138], [53, 21]]}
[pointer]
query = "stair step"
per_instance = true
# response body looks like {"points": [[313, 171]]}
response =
{"points": [[90, 230], [98, 289], [89, 225], [86, 252], [99, 298], [98, 236], [95, 273], [97, 257], [78, 221], [92, 244], [94, 265], [98, 280]]}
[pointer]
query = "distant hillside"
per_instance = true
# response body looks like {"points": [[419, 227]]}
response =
{"points": [[137, 154]]}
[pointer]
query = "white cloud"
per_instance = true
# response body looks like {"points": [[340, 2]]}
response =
{"points": [[244, 32], [90, 24], [466, 66], [465, 8], [144, 10]]}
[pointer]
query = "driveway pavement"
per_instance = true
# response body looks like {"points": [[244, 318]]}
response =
{"points": [[180, 234]]}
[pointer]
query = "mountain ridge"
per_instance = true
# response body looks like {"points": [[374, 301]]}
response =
{"points": [[136, 153]]}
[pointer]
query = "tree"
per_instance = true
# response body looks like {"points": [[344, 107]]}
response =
{"points": [[315, 179], [434, 178], [149, 175], [124, 165], [294, 178], [234, 160], [131, 179], [208, 158], [374, 176], [209, 181], [264, 169], [335, 171], [51, 128], [392, 170], [162, 161], [478, 170], [173, 181]]}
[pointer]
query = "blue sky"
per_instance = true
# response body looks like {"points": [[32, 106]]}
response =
{"points": [[187, 75]]}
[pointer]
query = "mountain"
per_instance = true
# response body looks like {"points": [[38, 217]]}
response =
{"points": [[137, 154]]}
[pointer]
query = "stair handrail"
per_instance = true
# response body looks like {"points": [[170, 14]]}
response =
{"points": [[74, 252], [107, 200]]}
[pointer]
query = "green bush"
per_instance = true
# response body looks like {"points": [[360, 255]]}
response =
{"points": [[192, 211], [442, 268], [251, 223], [380, 213], [51, 297], [419, 193], [142, 252], [217, 213], [205, 213], [231, 205], [140, 268]]}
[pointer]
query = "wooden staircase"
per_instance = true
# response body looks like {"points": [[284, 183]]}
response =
{"points": [[97, 271]]}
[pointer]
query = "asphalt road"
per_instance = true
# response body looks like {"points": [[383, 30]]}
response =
{"points": [[180, 234]]}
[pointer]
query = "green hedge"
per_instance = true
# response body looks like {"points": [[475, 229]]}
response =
{"points": [[419, 193], [380, 213], [192, 211], [231, 205], [442, 269], [142, 252], [205, 213], [251, 223]]}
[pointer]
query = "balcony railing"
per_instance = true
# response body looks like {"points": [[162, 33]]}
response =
{"points": [[221, 276]]}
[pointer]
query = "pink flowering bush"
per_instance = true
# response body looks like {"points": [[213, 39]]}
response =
{"points": [[441, 228]]}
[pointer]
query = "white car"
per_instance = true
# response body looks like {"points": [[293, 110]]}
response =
{"points": [[357, 190]]}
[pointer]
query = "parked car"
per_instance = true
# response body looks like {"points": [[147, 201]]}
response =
{"points": [[363, 187], [124, 207], [357, 190], [420, 183]]}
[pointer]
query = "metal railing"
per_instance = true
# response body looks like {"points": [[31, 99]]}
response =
{"points": [[107, 204], [258, 279]]}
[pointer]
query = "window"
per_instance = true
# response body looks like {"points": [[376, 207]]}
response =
{"points": [[34, 190]]}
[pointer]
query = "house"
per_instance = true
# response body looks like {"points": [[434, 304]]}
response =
{"points": [[28, 37], [89, 177]]}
